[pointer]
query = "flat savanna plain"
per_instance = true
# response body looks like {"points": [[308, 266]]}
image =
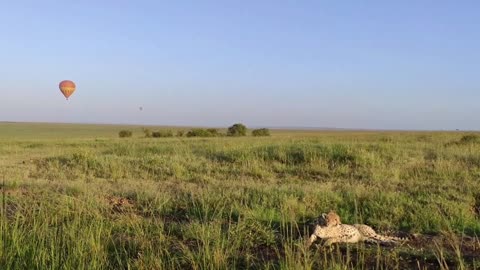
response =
{"points": [[78, 197]]}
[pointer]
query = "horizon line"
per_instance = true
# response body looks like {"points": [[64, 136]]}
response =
{"points": [[299, 128]]}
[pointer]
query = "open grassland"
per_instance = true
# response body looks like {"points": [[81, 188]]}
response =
{"points": [[55, 131], [77, 197]]}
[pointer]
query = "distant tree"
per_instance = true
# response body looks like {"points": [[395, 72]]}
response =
{"points": [[125, 134], [237, 130], [261, 132]]}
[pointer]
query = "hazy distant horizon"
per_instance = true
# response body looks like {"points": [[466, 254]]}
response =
{"points": [[293, 128], [375, 65]]}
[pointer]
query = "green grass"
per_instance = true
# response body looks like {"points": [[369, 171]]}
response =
{"points": [[233, 203]]}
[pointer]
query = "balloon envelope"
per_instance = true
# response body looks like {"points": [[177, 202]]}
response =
{"points": [[67, 88]]}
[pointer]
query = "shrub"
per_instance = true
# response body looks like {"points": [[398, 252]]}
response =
{"points": [[213, 131], [237, 130], [180, 133], [200, 132], [469, 138], [125, 134], [147, 132], [162, 134], [261, 132], [465, 140]]}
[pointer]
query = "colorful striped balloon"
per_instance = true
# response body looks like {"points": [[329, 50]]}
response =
{"points": [[67, 88]]}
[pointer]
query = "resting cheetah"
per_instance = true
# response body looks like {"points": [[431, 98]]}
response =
{"points": [[336, 232]]}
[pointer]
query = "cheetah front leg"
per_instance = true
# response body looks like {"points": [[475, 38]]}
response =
{"points": [[328, 242], [312, 239], [333, 240]]}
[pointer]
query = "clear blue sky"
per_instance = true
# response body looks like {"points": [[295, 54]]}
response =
{"points": [[355, 64]]}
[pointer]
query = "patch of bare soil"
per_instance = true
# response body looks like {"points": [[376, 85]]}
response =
{"points": [[467, 247], [424, 252], [14, 192], [120, 205], [476, 206], [10, 209], [9, 204]]}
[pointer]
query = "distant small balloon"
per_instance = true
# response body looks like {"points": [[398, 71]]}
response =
{"points": [[67, 88], [140, 108]]}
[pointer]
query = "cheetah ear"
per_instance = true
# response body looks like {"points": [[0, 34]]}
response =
{"points": [[324, 215]]}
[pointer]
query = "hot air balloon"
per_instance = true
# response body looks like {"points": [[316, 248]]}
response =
{"points": [[67, 88]]}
